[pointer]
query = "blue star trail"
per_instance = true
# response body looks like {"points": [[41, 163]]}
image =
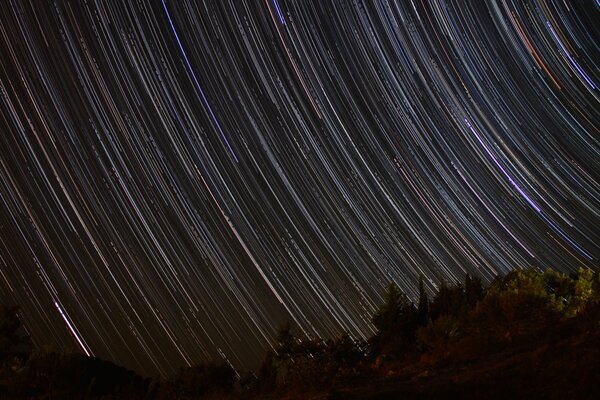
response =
{"points": [[179, 178]]}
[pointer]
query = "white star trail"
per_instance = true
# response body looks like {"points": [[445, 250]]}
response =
{"points": [[182, 177]]}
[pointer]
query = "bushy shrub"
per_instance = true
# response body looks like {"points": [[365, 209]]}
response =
{"points": [[199, 380], [439, 333], [300, 362]]}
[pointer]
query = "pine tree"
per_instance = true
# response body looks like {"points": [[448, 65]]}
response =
{"points": [[396, 322], [13, 340], [388, 317], [473, 290], [441, 301], [423, 307], [267, 374], [448, 301]]}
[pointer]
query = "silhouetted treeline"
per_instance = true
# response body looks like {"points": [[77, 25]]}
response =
{"points": [[530, 333], [463, 324]]}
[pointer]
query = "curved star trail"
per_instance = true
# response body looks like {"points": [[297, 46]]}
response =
{"points": [[178, 178]]}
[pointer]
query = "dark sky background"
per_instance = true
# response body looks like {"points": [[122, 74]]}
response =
{"points": [[179, 178]]}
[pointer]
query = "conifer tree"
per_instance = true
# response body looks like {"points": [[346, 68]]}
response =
{"points": [[396, 322], [13, 340], [423, 306], [473, 290]]}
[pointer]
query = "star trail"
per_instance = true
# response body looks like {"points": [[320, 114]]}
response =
{"points": [[178, 178]]}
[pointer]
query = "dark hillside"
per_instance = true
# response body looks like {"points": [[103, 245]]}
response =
{"points": [[529, 335]]}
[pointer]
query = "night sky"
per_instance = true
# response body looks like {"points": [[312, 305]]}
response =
{"points": [[179, 178]]}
